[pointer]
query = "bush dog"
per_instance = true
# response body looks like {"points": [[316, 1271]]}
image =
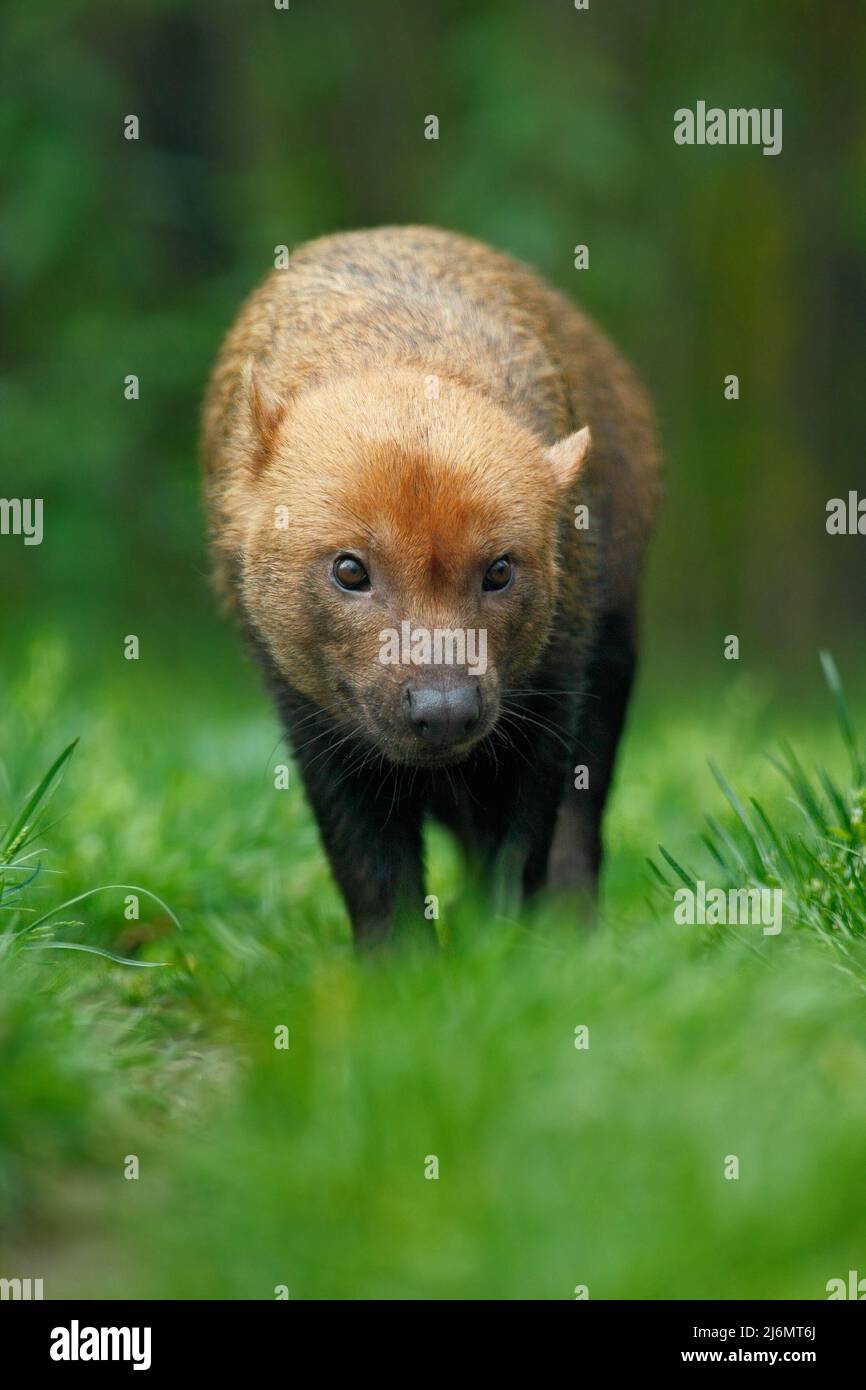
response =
{"points": [[430, 483]]}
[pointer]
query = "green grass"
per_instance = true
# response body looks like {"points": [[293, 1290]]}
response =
{"points": [[818, 868], [262, 1167]]}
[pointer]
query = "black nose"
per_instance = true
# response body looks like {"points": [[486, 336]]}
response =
{"points": [[441, 716]]}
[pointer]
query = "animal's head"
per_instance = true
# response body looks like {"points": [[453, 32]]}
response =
{"points": [[398, 553]]}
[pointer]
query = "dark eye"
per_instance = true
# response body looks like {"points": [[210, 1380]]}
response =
{"points": [[499, 574], [350, 573]]}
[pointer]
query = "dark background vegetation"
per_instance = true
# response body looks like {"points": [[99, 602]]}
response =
{"points": [[261, 127]]}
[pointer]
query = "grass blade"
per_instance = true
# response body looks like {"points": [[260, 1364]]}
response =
{"points": [[677, 868], [93, 951], [42, 792], [106, 888], [831, 676]]}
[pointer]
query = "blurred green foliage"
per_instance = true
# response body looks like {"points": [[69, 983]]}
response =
{"points": [[261, 127]]}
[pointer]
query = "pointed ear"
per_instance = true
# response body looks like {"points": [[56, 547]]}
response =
{"points": [[267, 410], [567, 457]]}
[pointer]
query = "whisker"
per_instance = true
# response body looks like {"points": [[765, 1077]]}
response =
{"points": [[543, 724]]}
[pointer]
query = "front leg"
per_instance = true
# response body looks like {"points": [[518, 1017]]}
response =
{"points": [[369, 822], [370, 828], [503, 804]]}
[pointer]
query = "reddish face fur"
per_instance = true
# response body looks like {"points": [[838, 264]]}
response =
{"points": [[427, 494]]}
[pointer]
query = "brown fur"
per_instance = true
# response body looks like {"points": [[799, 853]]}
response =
{"points": [[321, 403]]}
